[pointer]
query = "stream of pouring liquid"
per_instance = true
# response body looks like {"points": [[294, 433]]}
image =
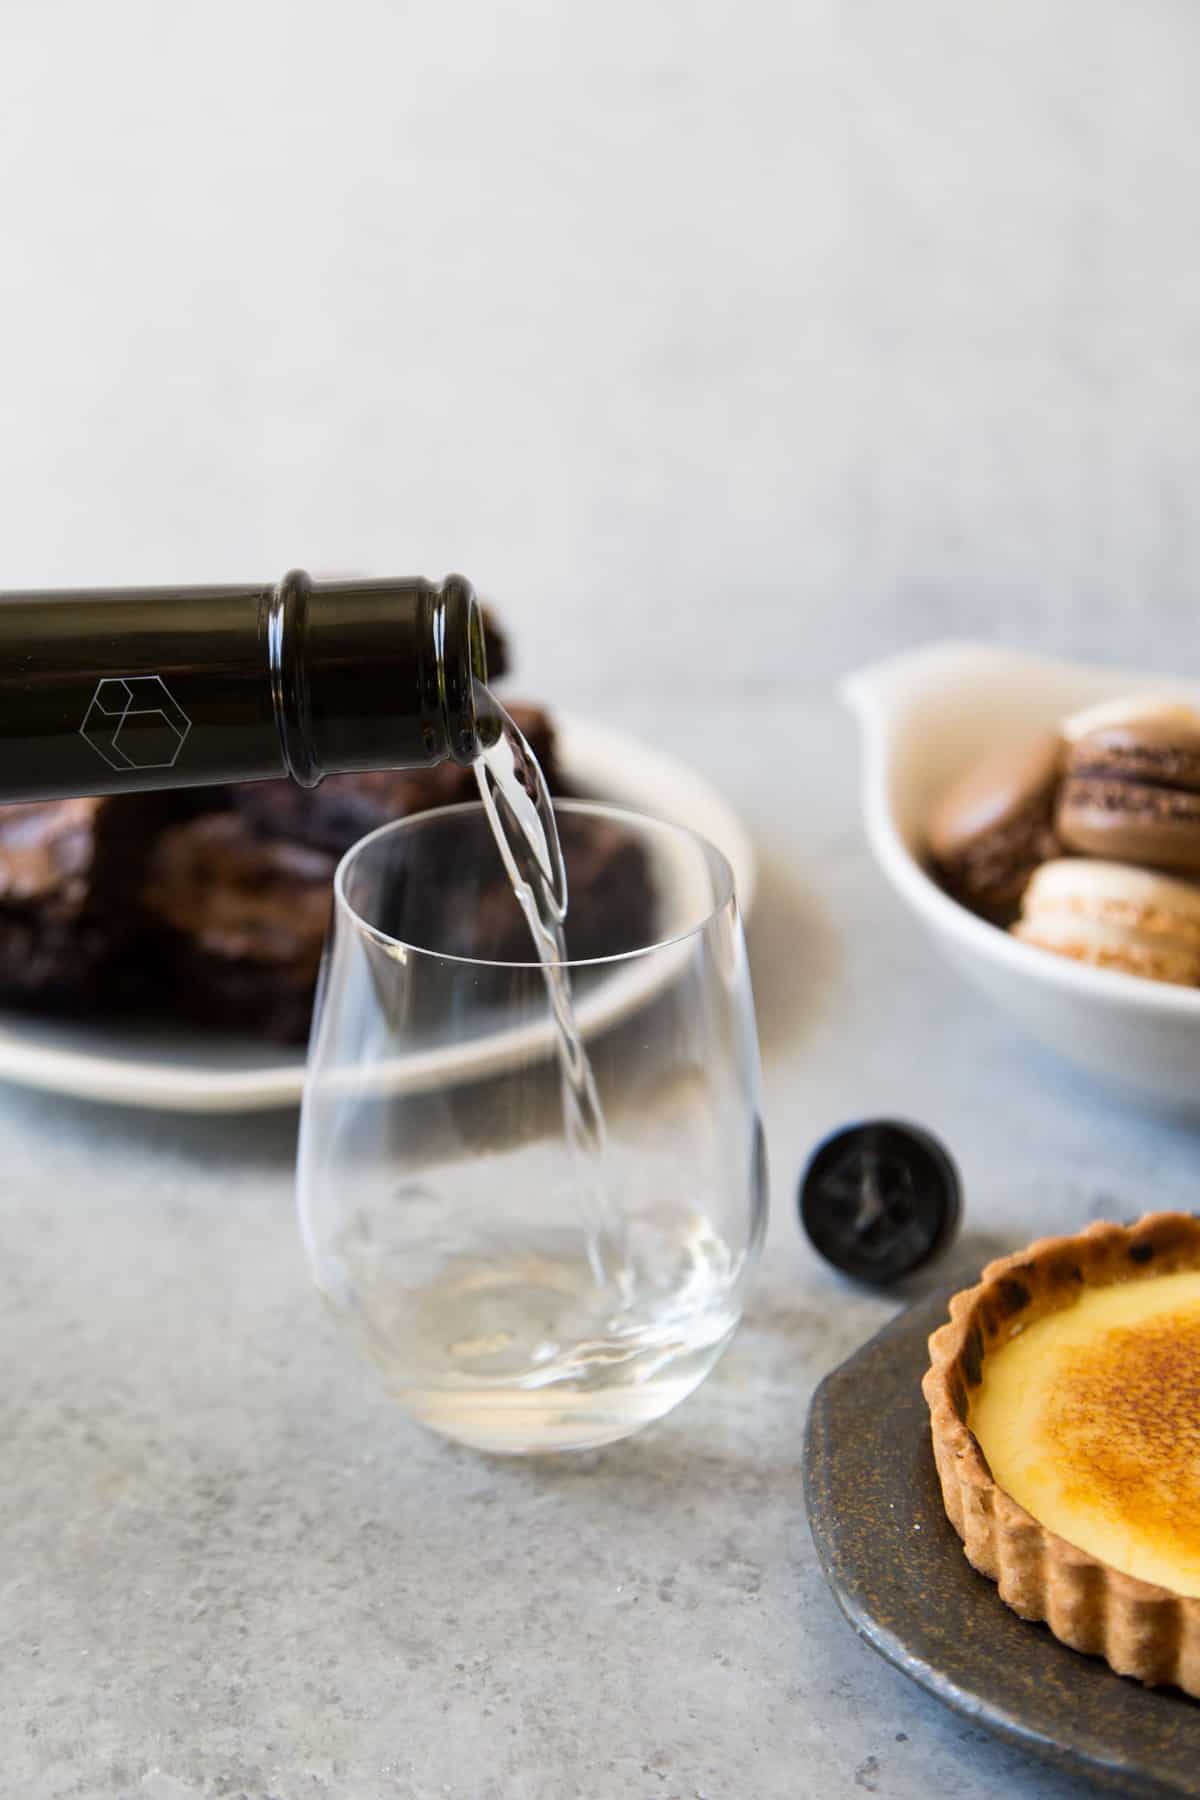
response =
{"points": [[521, 815]]}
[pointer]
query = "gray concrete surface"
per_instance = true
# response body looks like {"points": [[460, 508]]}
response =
{"points": [[726, 347]]}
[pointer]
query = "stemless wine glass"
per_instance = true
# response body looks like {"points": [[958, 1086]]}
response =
{"points": [[522, 1290]]}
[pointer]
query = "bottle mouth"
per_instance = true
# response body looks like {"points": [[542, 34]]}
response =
{"points": [[462, 664]]}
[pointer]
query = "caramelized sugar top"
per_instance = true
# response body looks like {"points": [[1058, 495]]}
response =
{"points": [[1090, 1418], [1123, 1421]]}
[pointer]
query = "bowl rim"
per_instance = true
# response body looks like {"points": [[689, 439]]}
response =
{"points": [[1115, 988]]}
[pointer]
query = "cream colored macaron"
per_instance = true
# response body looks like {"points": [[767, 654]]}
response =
{"points": [[1129, 709], [1116, 917]]}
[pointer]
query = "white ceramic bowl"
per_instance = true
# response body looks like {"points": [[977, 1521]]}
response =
{"points": [[924, 716]]}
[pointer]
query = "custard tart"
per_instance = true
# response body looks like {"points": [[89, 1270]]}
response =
{"points": [[1064, 1399]]}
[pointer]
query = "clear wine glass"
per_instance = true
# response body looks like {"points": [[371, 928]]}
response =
{"points": [[519, 1292]]}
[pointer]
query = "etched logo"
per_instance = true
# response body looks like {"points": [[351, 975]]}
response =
{"points": [[135, 722]]}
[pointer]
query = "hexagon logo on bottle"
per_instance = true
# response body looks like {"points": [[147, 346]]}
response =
{"points": [[135, 722]]}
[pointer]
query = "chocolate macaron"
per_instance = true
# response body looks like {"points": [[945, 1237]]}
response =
{"points": [[995, 825], [1132, 792]]}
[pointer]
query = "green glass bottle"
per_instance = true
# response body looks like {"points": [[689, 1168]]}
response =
{"points": [[107, 691]]}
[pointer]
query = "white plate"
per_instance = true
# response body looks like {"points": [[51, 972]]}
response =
{"points": [[925, 716], [173, 1069]]}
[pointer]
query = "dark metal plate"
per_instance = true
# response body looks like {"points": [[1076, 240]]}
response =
{"points": [[898, 1572]]}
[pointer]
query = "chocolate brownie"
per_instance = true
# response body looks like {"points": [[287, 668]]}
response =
{"points": [[450, 895], [495, 646], [70, 874], [345, 808], [212, 905], [242, 919], [611, 898]]}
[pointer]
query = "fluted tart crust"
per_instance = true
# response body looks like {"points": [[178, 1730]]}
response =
{"points": [[1142, 1629]]}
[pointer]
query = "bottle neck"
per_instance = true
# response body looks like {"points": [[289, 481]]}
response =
{"points": [[373, 674]]}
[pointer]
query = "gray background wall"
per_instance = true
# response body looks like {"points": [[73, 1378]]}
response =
{"points": [[799, 331]]}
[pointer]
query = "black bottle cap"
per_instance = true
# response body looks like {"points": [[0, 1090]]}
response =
{"points": [[880, 1199]]}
